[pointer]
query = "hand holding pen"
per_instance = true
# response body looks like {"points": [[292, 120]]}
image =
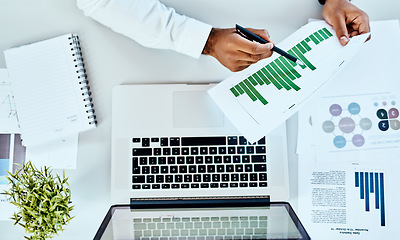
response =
{"points": [[234, 51], [254, 37]]}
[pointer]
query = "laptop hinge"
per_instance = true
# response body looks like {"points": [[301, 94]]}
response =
{"points": [[199, 202]]}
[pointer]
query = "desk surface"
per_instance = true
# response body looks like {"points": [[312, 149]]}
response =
{"points": [[112, 59]]}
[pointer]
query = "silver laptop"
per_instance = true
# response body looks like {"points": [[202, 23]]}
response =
{"points": [[170, 141]]}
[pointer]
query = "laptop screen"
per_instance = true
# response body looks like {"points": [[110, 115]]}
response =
{"points": [[276, 221]]}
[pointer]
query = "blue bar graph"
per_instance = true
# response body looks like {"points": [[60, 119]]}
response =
{"points": [[382, 200], [372, 183]]}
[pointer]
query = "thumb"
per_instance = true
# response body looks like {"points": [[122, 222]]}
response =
{"points": [[339, 25]]}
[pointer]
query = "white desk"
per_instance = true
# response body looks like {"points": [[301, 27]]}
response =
{"points": [[112, 59]]}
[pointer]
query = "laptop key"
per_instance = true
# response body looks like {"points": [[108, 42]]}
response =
{"points": [[245, 159], [138, 179], [155, 169], [197, 177], [260, 167], [176, 151], [205, 185], [141, 152], [250, 149], [162, 160], [258, 159], [223, 185], [145, 142], [175, 186], [227, 159], [178, 178], [143, 160], [171, 160], [184, 185], [173, 169], [166, 151], [263, 176], [182, 169], [199, 159], [145, 170], [155, 186], [174, 141], [152, 160], [203, 150], [253, 177], [261, 141], [160, 178], [214, 185], [243, 184], [263, 184], [136, 186], [146, 186], [165, 186], [225, 177], [261, 149], [169, 178], [194, 185], [232, 140], [242, 140], [154, 139], [150, 178], [253, 184], [164, 142], [203, 141], [233, 185], [234, 177], [136, 140], [201, 168], [180, 160], [206, 177]]}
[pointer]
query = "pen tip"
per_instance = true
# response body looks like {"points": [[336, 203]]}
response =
{"points": [[300, 63]]}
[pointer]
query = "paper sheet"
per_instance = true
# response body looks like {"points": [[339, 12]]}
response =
{"points": [[58, 154], [342, 196], [357, 115], [264, 95], [349, 200]]}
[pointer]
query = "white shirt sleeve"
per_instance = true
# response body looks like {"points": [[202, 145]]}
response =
{"points": [[150, 23]]}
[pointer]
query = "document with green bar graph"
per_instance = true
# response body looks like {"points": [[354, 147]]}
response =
{"points": [[261, 97]]}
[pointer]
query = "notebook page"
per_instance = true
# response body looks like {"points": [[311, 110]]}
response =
{"points": [[46, 90]]}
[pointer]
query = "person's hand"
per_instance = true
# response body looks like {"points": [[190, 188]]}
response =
{"points": [[234, 51], [346, 19]]}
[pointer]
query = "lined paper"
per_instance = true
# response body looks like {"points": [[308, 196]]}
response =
{"points": [[47, 90]]}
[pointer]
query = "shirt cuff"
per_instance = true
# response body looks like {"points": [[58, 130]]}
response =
{"points": [[194, 38]]}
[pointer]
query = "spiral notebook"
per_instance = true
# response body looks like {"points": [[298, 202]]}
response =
{"points": [[50, 89]]}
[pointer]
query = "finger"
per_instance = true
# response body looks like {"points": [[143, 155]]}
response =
{"points": [[254, 48], [339, 24], [262, 33], [253, 58], [239, 68]]}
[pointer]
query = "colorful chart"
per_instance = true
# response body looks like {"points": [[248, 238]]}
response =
{"points": [[360, 121]]}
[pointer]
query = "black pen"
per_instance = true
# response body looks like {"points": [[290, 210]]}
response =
{"points": [[253, 37]]}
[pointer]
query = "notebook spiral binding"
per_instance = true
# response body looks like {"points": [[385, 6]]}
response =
{"points": [[81, 74]]}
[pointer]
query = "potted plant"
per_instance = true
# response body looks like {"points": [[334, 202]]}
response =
{"points": [[43, 200]]}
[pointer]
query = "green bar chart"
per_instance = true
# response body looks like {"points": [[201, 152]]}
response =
{"points": [[281, 72]]}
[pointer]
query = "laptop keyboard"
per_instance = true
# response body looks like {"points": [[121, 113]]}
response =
{"points": [[198, 162], [177, 228]]}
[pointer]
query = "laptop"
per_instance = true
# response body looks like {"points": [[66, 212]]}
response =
{"points": [[170, 141], [201, 220]]}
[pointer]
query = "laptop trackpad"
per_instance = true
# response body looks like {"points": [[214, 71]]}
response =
{"points": [[196, 109]]}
